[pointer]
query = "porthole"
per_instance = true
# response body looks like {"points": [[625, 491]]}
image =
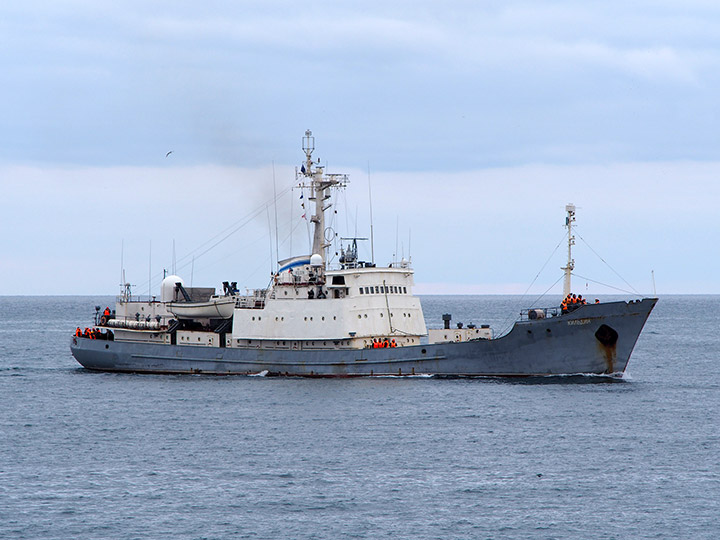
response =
{"points": [[366, 315], [381, 314], [334, 318], [323, 318], [253, 318], [306, 318]]}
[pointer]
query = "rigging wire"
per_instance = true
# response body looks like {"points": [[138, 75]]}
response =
{"points": [[606, 285], [234, 227], [508, 321], [534, 302], [220, 237], [256, 242], [608, 265]]}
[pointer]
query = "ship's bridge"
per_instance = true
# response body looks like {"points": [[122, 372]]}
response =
{"points": [[356, 304]]}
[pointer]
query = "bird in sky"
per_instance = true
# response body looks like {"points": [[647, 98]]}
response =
{"points": [[170, 152]]}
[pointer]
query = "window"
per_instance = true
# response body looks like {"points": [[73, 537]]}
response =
{"points": [[377, 289], [361, 290]]}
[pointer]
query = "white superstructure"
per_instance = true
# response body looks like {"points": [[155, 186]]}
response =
{"points": [[345, 307], [307, 304]]}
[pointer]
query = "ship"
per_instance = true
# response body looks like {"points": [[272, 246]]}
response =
{"points": [[348, 318]]}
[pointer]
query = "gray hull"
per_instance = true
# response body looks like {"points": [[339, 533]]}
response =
{"points": [[594, 339]]}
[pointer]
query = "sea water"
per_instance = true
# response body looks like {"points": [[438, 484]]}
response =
{"points": [[87, 455]]}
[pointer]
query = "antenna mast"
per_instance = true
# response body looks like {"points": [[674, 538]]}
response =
{"points": [[320, 184], [372, 236], [569, 220]]}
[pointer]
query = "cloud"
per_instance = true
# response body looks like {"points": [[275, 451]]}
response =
{"points": [[409, 85]]}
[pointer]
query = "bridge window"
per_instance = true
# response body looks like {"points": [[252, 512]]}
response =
{"points": [[361, 290]]}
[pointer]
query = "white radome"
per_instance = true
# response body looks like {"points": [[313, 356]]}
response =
{"points": [[316, 260], [167, 288]]}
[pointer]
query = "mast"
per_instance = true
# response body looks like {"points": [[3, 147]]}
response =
{"points": [[569, 220], [320, 185]]}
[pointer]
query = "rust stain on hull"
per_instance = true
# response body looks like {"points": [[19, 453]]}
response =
{"points": [[610, 354], [607, 342]]}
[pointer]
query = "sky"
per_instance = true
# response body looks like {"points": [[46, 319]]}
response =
{"points": [[465, 128]]}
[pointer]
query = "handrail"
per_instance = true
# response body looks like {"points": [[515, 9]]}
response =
{"points": [[534, 314]]}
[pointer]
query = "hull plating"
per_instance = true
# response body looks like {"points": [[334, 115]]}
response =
{"points": [[595, 339]]}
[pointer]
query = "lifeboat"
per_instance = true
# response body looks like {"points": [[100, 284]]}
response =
{"points": [[217, 307]]}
